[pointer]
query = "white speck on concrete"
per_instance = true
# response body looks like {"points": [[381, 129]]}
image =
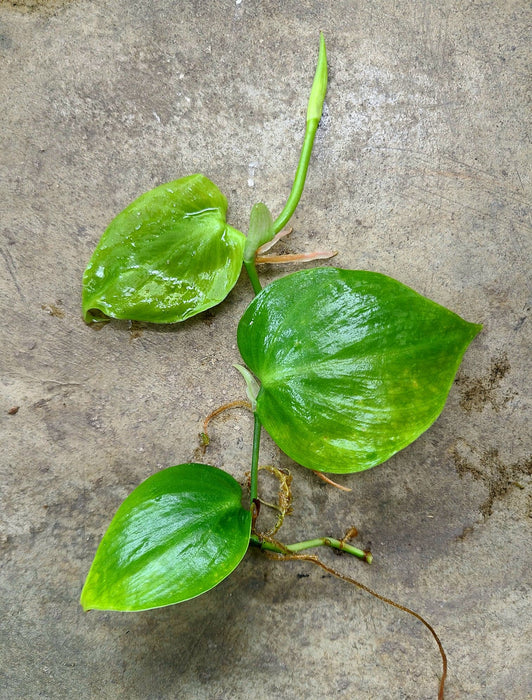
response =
{"points": [[251, 173]]}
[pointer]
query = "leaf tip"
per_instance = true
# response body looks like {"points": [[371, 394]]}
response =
{"points": [[85, 604], [319, 86], [474, 329]]}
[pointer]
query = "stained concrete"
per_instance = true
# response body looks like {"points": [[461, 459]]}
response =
{"points": [[421, 170]]}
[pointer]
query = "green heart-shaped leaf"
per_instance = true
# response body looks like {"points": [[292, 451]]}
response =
{"points": [[175, 536], [169, 255], [353, 365]]}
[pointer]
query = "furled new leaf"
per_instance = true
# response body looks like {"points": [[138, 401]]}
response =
{"points": [[353, 365], [169, 255], [175, 536]]}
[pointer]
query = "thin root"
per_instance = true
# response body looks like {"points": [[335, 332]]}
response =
{"points": [[204, 436], [349, 535], [287, 556], [284, 505], [325, 478]]}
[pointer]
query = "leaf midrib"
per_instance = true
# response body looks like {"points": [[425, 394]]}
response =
{"points": [[279, 375], [155, 553]]}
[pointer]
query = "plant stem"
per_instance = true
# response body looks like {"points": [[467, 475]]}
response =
{"points": [[315, 107], [255, 282], [318, 542], [299, 179], [253, 276], [255, 460]]}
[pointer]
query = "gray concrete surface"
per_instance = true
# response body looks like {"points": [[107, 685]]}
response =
{"points": [[421, 170]]}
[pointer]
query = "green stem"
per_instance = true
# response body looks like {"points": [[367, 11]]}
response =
{"points": [[255, 460], [260, 223], [314, 111], [308, 544], [299, 179], [253, 276]]}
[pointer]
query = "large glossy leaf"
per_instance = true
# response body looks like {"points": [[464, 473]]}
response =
{"points": [[177, 535], [353, 365], [169, 255]]}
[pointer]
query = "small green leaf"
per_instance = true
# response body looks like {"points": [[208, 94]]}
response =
{"points": [[353, 365], [177, 535], [252, 385], [319, 85], [260, 231], [169, 255]]}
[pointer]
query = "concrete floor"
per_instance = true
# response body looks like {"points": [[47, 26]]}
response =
{"points": [[421, 170]]}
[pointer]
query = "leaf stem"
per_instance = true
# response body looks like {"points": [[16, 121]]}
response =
{"points": [[315, 107], [308, 544], [255, 461], [253, 276]]}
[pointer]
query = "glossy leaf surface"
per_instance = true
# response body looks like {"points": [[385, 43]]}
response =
{"points": [[175, 536], [167, 256], [353, 365]]}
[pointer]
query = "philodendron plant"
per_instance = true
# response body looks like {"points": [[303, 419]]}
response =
{"points": [[343, 368]]}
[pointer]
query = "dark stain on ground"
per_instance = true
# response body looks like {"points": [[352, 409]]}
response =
{"points": [[488, 467], [198, 455], [136, 330], [42, 6], [5, 41], [478, 392], [208, 318], [520, 323]]}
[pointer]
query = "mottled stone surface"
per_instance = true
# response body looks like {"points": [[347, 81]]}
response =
{"points": [[421, 170]]}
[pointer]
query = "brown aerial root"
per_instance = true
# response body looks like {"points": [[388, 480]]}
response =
{"points": [[296, 257], [327, 480], [349, 535], [284, 496], [266, 246], [204, 436], [261, 259], [284, 499], [287, 556]]}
